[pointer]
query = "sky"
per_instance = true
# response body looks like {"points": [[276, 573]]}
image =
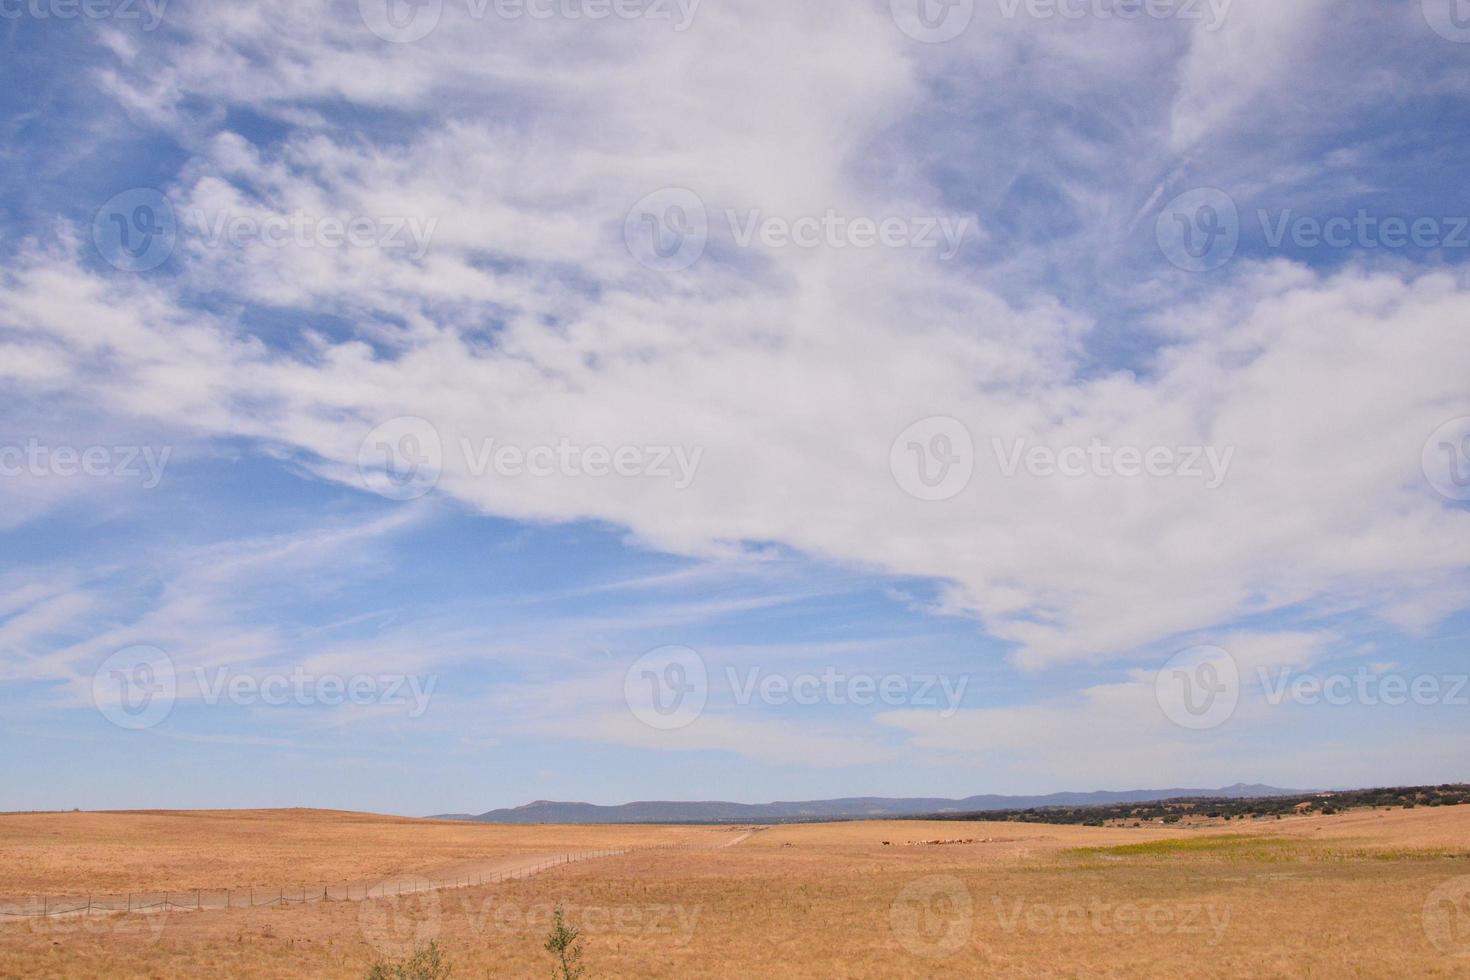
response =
{"points": [[428, 406]]}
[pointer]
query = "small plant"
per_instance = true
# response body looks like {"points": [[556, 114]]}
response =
{"points": [[565, 943], [424, 963]]}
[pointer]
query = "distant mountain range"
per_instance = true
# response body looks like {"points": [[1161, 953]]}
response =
{"points": [[858, 808]]}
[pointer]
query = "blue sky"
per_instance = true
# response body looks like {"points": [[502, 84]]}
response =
{"points": [[392, 455]]}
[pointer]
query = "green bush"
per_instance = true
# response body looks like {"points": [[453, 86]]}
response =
{"points": [[565, 943]]}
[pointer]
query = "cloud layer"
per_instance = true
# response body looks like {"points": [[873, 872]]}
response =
{"points": [[510, 152]]}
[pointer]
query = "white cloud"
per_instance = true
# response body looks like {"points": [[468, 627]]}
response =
{"points": [[794, 370]]}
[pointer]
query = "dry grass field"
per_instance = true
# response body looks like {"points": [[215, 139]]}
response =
{"points": [[77, 853], [1366, 893]]}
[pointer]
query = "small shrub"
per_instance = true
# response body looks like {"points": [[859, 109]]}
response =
{"points": [[425, 963], [565, 943]]}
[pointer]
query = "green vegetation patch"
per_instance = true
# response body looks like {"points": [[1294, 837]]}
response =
{"points": [[1245, 847], [1226, 845]]}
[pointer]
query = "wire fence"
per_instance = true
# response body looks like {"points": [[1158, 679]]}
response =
{"points": [[390, 886]]}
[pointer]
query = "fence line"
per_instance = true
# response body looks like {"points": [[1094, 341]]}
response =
{"points": [[390, 886]]}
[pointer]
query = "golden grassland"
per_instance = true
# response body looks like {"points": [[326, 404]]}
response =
{"points": [[149, 851], [1345, 895]]}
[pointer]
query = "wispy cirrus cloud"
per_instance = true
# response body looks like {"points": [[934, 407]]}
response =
{"points": [[526, 319]]}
